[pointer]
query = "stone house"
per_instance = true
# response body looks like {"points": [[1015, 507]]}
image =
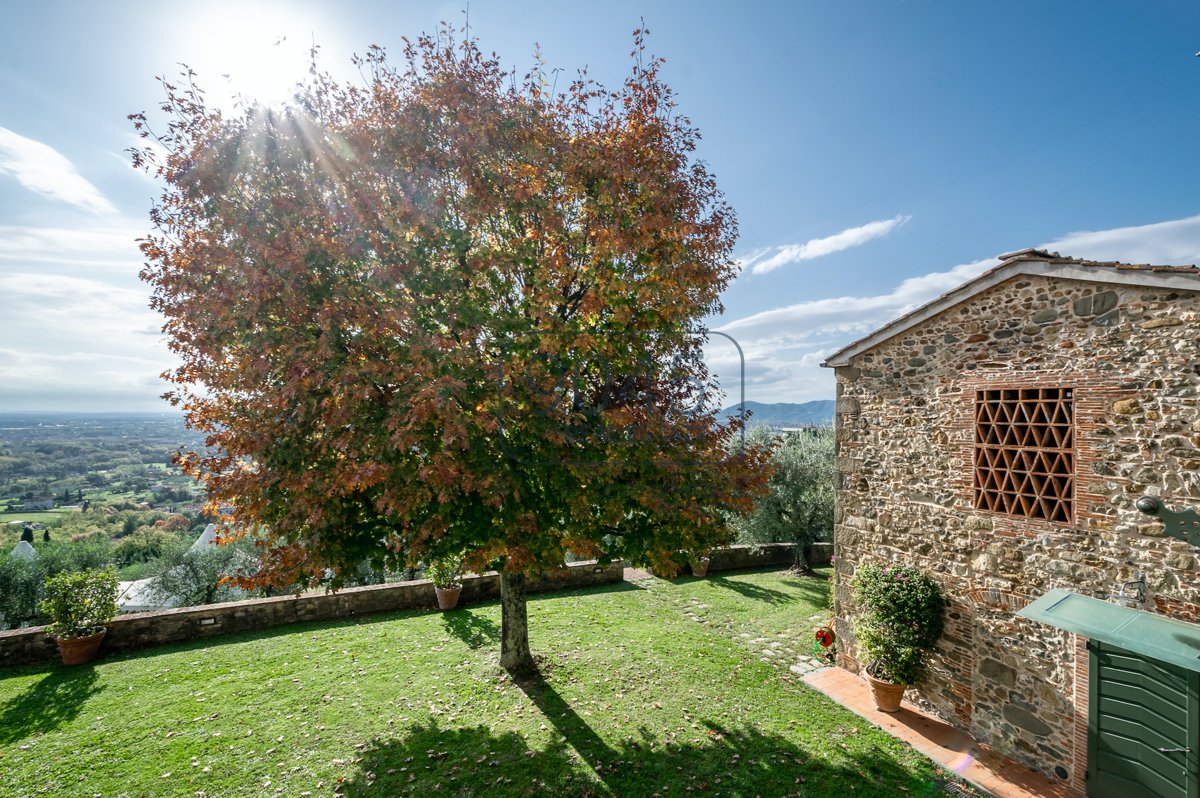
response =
{"points": [[999, 439]]}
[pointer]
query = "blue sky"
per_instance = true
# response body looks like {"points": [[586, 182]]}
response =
{"points": [[877, 153]]}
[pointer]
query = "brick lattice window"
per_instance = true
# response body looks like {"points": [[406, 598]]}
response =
{"points": [[1024, 452]]}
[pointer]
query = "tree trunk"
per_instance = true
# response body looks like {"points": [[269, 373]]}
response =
{"points": [[515, 656], [802, 565]]}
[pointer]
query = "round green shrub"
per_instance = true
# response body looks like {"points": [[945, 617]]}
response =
{"points": [[445, 571], [899, 620], [80, 604]]}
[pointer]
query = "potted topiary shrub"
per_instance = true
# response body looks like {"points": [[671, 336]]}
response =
{"points": [[446, 575], [898, 624], [80, 605]]}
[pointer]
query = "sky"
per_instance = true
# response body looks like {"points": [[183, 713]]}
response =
{"points": [[877, 153]]}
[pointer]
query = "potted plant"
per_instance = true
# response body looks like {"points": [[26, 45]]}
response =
{"points": [[80, 605], [446, 575], [699, 561], [898, 624]]}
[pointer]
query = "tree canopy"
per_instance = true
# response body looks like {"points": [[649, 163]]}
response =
{"points": [[448, 311], [798, 506]]}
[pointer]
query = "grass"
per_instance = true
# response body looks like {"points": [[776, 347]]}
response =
{"points": [[39, 516], [645, 690], [10, 533]]}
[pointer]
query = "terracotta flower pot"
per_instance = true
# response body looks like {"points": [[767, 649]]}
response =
{"points": [[887, 695], [78, 650], [700, 567], [447, 597]]}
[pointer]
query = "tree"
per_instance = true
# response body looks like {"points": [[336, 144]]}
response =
{"points": [[448, 312], [799, 504], [186, 577], [20, 591]]}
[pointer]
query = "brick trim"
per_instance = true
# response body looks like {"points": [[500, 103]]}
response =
{"points": [[1080, 677], [1174, 608], [1094, 394], [998, 599]]}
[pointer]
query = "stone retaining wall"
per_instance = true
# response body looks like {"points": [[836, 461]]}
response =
{"points": [[736, 558], [147, 629]]}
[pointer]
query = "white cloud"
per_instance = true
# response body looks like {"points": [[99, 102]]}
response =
{"points": [[1174, 243], [743, 261], [853, 313], [76, 339], [784, 346], [61, 291], [110, 246], [818, 247], [77, 343], [59, 313], [42, 169]]}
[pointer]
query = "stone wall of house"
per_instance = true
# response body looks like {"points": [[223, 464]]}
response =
{"points": [[905, 431]]}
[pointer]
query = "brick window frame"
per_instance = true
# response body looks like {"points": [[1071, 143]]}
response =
{"points": [[1023, 454]]}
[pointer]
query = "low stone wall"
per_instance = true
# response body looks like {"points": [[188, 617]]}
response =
{"points": [[735, 558], [820, 554], [146, 629]]}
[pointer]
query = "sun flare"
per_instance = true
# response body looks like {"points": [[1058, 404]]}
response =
{"points": [[252, 52]]}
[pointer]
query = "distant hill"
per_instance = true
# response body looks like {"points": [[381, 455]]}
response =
{"points": [[786, 414]]}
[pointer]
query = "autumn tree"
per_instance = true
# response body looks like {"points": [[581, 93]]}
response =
{"points": [[448, 311]]}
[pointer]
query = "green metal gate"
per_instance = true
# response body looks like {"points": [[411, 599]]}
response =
{"points": [[1143, 726]]}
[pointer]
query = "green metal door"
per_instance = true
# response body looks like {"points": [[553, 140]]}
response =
{"points": [[1143, 726]]}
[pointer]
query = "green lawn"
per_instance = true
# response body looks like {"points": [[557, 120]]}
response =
{"points": [[10, 533], [648, 688], [40, 516]]}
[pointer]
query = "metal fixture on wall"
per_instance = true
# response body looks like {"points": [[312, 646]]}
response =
{"points": [[1139, 592], [1181, 524]]}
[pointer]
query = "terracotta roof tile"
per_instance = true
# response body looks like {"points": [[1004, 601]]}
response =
{"points": [[1053, 257]]}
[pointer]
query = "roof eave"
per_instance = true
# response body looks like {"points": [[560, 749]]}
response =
{"points": [[1176, 280]]}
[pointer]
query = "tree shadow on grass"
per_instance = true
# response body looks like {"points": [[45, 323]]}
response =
{"points": [[472, 628], [753, 591], [812, 588], [590, 590], [46, 704], [431, 760]]}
